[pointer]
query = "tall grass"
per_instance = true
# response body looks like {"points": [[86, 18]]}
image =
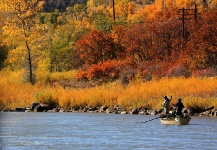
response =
{"points": [[195, 92], [12, 92]]}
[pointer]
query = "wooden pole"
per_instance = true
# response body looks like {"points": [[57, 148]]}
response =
{"points": [[183, 22], [195, 11], [113, 9]]}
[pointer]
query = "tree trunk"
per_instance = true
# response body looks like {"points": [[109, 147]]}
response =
{"points": [[30, 64]]}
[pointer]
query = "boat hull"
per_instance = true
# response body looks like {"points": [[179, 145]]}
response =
{"points": [[175, 120]]}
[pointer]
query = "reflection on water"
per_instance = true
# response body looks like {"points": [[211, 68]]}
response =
{"points": [[102, 131]]}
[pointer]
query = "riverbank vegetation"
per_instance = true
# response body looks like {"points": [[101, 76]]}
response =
{"points": [[83, 53], [197, 93]]}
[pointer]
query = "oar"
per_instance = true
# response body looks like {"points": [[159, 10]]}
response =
{"points": [[150, 120]]}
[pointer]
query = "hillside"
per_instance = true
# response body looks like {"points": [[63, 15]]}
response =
{"points": [[93, 54], [148, 41]]}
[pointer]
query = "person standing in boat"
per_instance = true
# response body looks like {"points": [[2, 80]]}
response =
{"points": [[166, 104], [179, 106]]}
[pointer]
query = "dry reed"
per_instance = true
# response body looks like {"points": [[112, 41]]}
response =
{"points": [[195, 92]]}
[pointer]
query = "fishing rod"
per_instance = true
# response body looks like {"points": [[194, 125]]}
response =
{"points": [[151, 119]]}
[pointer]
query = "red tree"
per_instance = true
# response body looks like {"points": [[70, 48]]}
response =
{"points": [[138, 43], [95, 47], [201, 50]]}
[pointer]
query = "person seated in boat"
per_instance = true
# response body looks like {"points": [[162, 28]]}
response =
{"points": [[166, 104], [178, 107]]}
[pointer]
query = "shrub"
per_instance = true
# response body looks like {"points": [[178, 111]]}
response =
{"points": [[177, 71], [45, 96], [108, 70], [208, 72]]}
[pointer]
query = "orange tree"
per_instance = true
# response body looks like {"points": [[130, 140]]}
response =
{"points": [[118, 33]]}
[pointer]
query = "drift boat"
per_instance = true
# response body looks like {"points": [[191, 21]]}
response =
{"points": [[183, 120], [176, 120]]}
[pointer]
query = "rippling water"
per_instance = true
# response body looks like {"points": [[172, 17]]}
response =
{"points": [[22, 131]]}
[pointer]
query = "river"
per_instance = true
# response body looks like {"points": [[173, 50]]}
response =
{"points": [[96, 131]]}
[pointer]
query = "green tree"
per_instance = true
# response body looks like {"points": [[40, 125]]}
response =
{"points": [[62, 53], [80, 11], [102, 21]]}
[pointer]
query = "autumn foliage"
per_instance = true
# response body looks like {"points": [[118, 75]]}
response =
{"points": [[160, 43], [150, 38], [95, 47], [109, 70], [147, 42]]}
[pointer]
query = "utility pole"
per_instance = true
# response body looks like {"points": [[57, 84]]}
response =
{"points": [[187, 15], [113, 9], [183, 22]]}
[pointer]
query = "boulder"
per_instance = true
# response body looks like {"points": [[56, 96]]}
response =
{"points": [[28, 110], [45, 107], [123, 112], [108, 110], [142, 112], [116, 112], [90, 109], [135, 111], [62, 110], [214, 113], [6, 110], [206, 113], [118, 108], [38, 108], [154, 112], [103, 108], [54, 110], [75, 109], [32, 106], [20, 109], [85, 109]]}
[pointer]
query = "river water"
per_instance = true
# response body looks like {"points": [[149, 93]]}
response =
{"points": [[95, 131]]}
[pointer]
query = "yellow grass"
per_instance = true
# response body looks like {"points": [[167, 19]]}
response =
{"points": [[12, 92], [195, 92]]}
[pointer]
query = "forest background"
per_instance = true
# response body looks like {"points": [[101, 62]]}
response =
{"points": [[99, 53]]}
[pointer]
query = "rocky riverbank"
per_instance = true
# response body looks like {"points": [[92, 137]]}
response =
{"points": [[39, 107]]}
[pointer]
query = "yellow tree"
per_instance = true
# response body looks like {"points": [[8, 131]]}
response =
{"points": [[214, 4], [185, 3], [121, 9], [3, 48], [20, 22]]}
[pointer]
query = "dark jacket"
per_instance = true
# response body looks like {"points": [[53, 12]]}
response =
{"points": [[179, 106]]}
